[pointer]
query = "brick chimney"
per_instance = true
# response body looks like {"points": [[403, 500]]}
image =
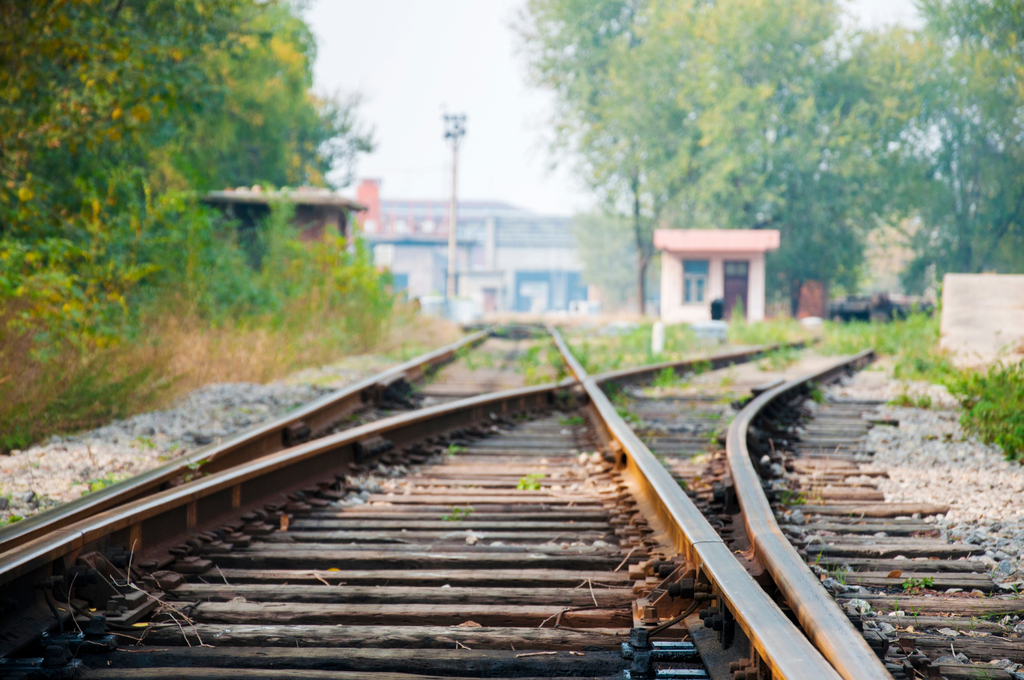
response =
{"points": [[368, 193]]}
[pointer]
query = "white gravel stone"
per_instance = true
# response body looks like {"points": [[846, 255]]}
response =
{"points": [[63, 469]]}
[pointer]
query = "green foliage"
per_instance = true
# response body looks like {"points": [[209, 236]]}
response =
{"points": [[269, 127], [10, 519], [541, 363], [992, 406], [990, 400], [968, 181], [573, 421], [530, 482], [667, 378], [105, 110], [458, 514], [768, 114], [768, 332], [629, 346], [113, 115], [102, 482], [736, 114], [912, 341], [913, 585], [454, 450], [911, 400], [778, 360], [589, 53], [789, 498]]}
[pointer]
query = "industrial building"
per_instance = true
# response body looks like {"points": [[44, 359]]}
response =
{"points": [[509, 259]]}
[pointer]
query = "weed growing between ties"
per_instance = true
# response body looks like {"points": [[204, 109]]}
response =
{"points": [[667, 378], [541, 363], [458, 514], [530, 482]]}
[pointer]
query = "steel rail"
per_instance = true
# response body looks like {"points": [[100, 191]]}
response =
{"points": [[245, 445], [780, 644], [819, 615]]}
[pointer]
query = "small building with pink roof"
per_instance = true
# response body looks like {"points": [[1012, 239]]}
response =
{"points": [[699, 266]]}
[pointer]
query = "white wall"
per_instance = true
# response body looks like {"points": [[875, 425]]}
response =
{"points": [[673, 310]]}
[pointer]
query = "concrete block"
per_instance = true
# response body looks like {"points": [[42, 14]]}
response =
{"points": [[983, 317]]}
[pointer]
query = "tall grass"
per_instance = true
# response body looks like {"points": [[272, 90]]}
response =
{"points": [[913, 343]]}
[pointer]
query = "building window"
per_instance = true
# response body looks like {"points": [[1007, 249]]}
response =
{"points": [[695, 280], [737, 269]]}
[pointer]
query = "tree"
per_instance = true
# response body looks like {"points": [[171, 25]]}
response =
{"points": [[733, 114], [793, 121], [967, 140], [607, 250], [106, 107], [590, 54], [265, 125]]}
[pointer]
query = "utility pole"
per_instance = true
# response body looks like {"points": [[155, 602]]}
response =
{"points": [[454, 129]]}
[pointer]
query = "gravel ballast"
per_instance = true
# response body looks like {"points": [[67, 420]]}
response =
{"points": [[930, 459], [65, 468]]}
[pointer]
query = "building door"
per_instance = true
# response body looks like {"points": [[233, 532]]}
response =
{"points": [[490, 300], [736, 284]]}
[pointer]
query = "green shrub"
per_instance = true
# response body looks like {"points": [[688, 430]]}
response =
{"points": [[993, 404]]}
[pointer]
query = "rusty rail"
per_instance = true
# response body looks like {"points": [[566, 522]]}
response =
{"points": [[819, 615], [249, 444], [779, 643]]}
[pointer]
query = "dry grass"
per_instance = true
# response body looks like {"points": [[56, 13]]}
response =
{"points": [[176, 354]]}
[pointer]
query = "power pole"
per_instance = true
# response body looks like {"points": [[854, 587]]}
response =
{"points": [[454, 129]]}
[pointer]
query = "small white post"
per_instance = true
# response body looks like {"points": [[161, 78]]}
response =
{"points": [[657, 338]]}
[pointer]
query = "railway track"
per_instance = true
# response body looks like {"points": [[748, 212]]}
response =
{"points": [[524, 533], [926, 604], [477, 364]]}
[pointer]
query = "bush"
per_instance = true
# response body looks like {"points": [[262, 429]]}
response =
{"points": [[200, 314], [993, 404]]}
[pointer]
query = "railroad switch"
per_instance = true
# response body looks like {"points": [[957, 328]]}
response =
{"points": [[644, 654], [93, 639], [720, 619], [57, 663], [749, 669]]}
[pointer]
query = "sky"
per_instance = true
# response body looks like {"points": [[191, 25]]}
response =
{"points": [[413, 60]]}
